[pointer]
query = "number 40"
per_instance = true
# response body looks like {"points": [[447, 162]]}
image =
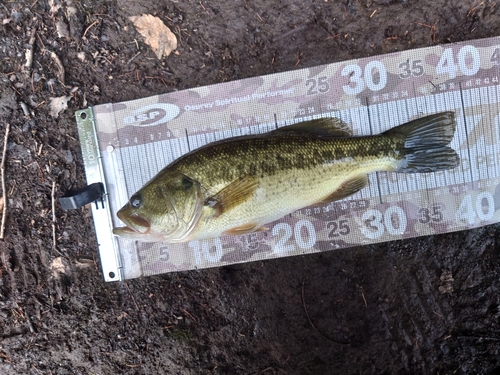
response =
{"points": [[466, 211], [447, 64]]}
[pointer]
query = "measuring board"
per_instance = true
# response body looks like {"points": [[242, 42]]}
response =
{"points": [[125, 144]]}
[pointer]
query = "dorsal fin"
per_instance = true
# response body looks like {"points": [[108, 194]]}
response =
{"points": [[331, 126]]}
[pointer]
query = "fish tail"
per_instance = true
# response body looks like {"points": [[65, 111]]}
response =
{"points": [[426, 143]]}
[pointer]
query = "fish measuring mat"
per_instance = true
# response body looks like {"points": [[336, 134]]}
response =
{"points": [[125, 144]]}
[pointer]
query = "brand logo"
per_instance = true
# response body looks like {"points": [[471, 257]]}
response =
{"points": [[152, 114]]}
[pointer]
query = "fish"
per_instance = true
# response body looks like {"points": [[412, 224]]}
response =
{"points": [[238, 185]]}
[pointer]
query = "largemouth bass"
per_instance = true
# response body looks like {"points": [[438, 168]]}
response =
{"points": [[237, 185]]}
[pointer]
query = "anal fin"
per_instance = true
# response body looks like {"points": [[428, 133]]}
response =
{"points": [[245, 229], [347, 189]]}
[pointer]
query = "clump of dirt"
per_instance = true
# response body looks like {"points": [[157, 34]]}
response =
{"points": [[426, 305]]}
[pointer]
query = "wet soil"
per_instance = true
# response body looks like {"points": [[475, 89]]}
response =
{"points": [[422, 306]]}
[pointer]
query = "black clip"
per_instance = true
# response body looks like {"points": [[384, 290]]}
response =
{"points": [[73, 199]]}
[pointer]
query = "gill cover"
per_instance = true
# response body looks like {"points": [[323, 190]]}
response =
{"points": [[166, 209]]}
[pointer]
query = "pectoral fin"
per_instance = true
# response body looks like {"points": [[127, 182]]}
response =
{"points": [[348, 188], [234, 194], [322, 126], [245, 229]]}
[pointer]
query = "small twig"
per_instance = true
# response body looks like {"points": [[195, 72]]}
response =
{"points": [[25, 317], [88, 28], [188, 314], [60, 66], [4, 356], [54, 238], [24, 107], [133, 57], [29, 52], [4, 261], [290, 32], [133, 299], [37, 370], [364, 299], [205, 10], [41, 42], [2, 169], [263, 371], [432, 27], [310, 321], [134, 366]]}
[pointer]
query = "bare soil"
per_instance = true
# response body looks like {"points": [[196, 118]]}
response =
{"points": [[422, 306]]}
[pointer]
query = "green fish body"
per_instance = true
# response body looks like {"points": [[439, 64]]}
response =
{"points": [[237, 185]]}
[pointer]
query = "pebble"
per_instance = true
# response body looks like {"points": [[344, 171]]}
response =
{"points": [[68, 156], [27, 125]]}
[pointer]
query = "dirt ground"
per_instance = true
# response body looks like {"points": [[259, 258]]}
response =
{"points": [[421, 306]]}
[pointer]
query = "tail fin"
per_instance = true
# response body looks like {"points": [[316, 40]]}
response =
{"points": [[425, 143]]}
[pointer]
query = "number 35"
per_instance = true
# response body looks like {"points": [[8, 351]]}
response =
{"points": [[415, 69]]}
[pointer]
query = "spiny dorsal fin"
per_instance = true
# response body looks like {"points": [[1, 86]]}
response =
{"points": [[322, 126], [232, 195]]}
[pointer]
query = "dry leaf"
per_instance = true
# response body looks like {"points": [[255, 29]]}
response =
{"points": [[59, 104], [57, 267], [62, 29], [54, 7], [158, 36]]}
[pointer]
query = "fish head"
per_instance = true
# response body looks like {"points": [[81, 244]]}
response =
{"points": [[166, 209]]}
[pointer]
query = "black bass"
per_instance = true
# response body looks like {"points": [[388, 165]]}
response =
{"points": [[237, 185]]}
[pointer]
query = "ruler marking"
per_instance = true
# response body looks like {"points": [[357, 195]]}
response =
{"points": [[131, 161], [392, 175], [464, 117], [159, 155], [371, 133], [414, 103], [491, 137], [483, 92], [496, 136], [187, 139]]}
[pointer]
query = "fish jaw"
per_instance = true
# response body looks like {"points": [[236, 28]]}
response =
{"points": [[127, 232], [135, 223], [137, 229]]}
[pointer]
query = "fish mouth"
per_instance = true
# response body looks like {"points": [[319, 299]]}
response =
{"points": [[124, 232], [135, 224]]}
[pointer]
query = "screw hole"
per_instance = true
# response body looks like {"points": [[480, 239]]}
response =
{"points": [[83, 115], [112, 275]]}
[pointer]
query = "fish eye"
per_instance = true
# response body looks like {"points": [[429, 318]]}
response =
{"points": [[135, 201], [187, 183]]}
